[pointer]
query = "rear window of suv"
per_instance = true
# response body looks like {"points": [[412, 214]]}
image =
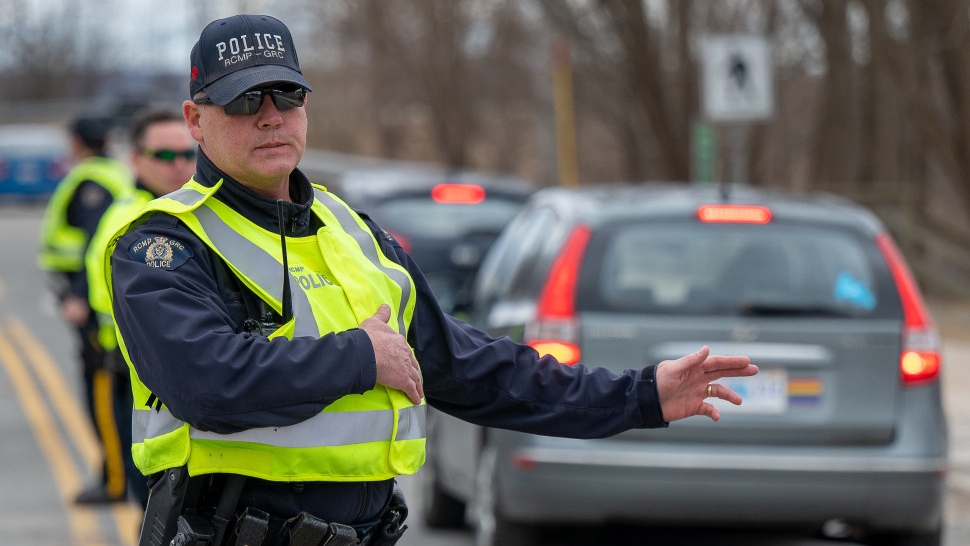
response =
{"points": [[736, 269], [422, 217]]}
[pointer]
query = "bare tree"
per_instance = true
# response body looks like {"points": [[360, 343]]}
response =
{"points": [[836, 148], [635, 78], [55, 58], [441, 80], [937, 83]]}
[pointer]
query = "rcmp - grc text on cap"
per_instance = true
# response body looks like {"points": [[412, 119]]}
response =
{"points": [[238, 53]]}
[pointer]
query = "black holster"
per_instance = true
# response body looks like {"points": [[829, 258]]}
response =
{"points": [[166, 496], [391, 526], [188, 512]]}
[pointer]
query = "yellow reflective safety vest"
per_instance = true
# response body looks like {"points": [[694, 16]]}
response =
{"points": [[122, 212], [62, 245], [362, 437]]}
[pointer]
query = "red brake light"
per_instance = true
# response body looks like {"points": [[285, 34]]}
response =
{"points": [[741, 214], [920, 358], [559, 293], [555, 331], [919, 366], [465, 194], [914, 310], [565, 353]]}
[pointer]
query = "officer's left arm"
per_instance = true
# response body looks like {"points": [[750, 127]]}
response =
{"points": [[503, 384]]}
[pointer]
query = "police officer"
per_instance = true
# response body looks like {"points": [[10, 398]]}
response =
{"points": [[162, 157], [71, 217], [277, 334]]}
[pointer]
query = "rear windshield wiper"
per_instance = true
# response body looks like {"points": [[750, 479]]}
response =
{"points": [[791, 309]]}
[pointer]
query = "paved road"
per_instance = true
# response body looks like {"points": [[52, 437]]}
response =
{"points": [[47, 447]]}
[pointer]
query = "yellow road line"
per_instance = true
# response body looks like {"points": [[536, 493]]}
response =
{"points": [[70, 410], [83, 524], [127, 516]]}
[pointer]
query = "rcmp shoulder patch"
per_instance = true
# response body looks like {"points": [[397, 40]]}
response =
{"points": [[159, 251]]}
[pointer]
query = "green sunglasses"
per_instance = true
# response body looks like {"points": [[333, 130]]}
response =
{"points": [[169, 156], [283, 97]]}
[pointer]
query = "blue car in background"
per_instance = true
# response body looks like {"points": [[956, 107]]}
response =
{"points": [[33, 159]]}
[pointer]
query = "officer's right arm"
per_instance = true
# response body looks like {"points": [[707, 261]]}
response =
{"points": [[186, 345]]}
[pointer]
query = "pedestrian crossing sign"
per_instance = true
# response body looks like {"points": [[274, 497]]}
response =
{"points": [[737, 79]]}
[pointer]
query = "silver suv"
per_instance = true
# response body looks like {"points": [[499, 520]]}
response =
{"points": [[842, 431]]}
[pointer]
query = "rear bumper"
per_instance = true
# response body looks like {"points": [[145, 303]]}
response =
{"points": [[717, 485], [899, 485]]}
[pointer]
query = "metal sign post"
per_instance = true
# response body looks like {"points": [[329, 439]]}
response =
{"points": [[737, 83]]}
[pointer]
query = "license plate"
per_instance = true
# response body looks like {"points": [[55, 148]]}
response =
{"points": [[765, 393]]}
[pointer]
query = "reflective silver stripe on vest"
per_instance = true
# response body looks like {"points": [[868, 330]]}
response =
{"points": [[365, 240], [322, 430], [330, 429], [149, 423], [241, 252], [259, 266], [186, 196], [411, 423]]}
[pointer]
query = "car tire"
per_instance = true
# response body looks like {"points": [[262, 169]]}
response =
{"points": [[439, 510], [490, 526]]}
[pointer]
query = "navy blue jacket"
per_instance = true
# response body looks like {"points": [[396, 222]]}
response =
{"points": [[184, 331], [85, 209]]}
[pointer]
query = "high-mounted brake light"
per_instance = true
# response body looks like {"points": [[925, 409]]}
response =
{"points": [[919, 359], [462, 194], [740, 214], [555, 331]]}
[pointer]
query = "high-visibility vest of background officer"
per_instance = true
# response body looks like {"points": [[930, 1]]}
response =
{"points": [[119, 214], [62, 246], [363, 437], [73, 212]]}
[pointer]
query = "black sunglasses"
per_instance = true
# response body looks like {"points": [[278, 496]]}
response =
{"points": [[169, 156], [283, 97]]}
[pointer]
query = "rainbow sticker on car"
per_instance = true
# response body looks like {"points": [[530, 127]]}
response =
{"points": [[804, 391]]}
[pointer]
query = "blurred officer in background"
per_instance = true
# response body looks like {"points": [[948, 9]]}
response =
{"points": [[162, 157], [71, 218], [282, 344]]}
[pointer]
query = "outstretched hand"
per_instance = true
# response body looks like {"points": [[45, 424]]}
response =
{"points": [[396, 366], [682, 384]]}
